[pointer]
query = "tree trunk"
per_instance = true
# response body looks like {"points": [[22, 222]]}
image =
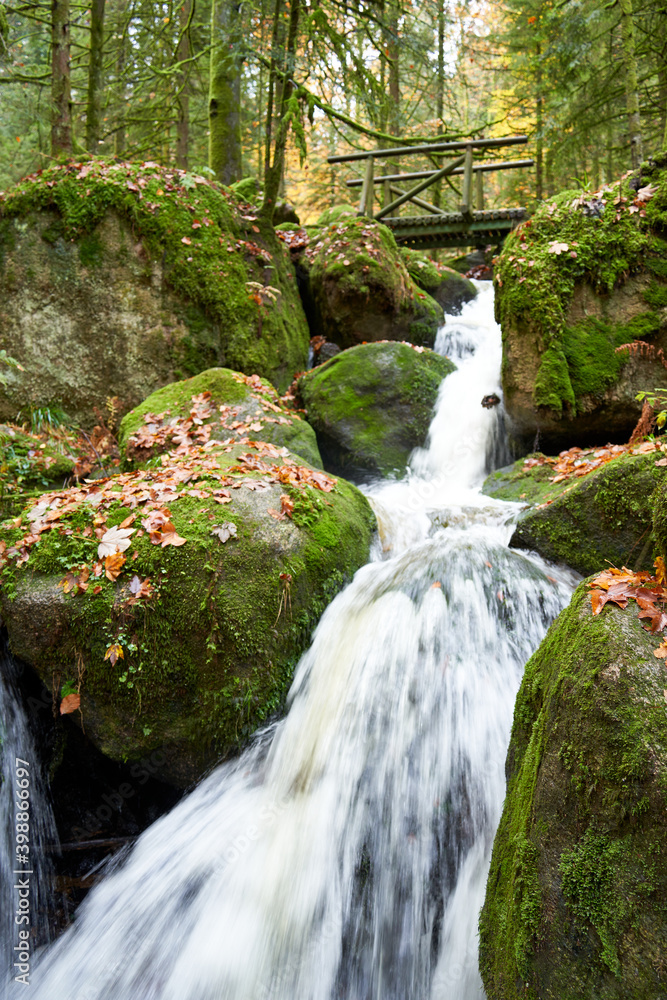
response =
{"points": [[224, 98], [183, 52], [274, 171], [121, 57], [440, 95], [61, 99], [631, 87], [539, 128], [95, 70], [393, 12]]}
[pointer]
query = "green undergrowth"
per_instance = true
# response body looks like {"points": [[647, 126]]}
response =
{"points": [[576, 903], [601, 239], [213, 250]]}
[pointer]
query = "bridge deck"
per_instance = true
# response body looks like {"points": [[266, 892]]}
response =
{"points": [[452, 229]]}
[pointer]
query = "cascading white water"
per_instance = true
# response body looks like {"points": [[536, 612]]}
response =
{"points": [[344, 855], [26, 828]]}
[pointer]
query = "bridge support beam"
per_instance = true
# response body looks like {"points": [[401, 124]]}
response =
{"points": [[388, 209], [367, 190]]}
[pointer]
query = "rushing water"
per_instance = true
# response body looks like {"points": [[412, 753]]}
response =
{"points": [[25, 875], [344, 855]]}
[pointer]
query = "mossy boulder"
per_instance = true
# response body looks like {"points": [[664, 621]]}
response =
{"points": [[330, 216], [358, 288], [236, 405], [117, 278], [576, 899], [182, 646], [585, 275], [372, 404], [448, 287], [603, 517]]}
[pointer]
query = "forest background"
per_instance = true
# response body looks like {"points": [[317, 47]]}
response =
{"points": [[270, 88]]}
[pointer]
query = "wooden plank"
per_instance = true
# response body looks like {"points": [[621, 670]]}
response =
{"points": [[433, 147], [466, 198], [420, 174], [417, 201], [479, 192], [420, 187], [366, 200]]}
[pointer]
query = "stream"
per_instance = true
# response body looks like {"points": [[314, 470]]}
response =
{"points": [[344, 854]]}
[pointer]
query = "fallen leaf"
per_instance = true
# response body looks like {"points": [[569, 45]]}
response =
{"points": [[114, 540], [70, 703], [114, 653], [113, 566], [225, 531]]}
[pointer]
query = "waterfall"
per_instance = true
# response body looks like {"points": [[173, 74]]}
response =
{"points": [[27, 827], [344, 855]]}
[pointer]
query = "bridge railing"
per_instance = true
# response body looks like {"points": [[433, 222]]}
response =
{"points": [[463, 164]]}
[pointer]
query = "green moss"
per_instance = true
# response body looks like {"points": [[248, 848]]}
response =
{"points": [[553, 387], [585, 899], [330, 216], [210, 255], [372, 404], [234, 400]]}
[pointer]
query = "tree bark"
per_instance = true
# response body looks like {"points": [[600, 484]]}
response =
{"points": [[61, 99], [631, 87], [183, 52], [274, 171], [224, 99], [440, 95], [539, 128], [95, 71]]}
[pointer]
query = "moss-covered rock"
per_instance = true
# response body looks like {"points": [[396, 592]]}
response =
{"points": [[372, 404], [117, 278], [448, 287], [359, 288], [585, 275], [576, 900], [588, 522], [236, 406], [205, 633], [330, 216]]}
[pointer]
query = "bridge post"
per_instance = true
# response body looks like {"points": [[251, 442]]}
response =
{"points": [[466, 198], [367, 189], [479, 190]]}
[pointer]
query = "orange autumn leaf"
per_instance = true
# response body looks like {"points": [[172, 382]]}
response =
{"points": [[70, 704], [113, 566]]}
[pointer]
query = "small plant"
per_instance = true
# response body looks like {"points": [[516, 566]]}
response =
{"points": [[10, 362]]}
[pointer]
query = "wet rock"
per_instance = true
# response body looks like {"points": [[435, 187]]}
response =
{"points": [[444, 284], [182, 633], [116, 279], [589, 522], [356, 288], [584, 276], [372, 404], [577, 890], [233, 405]]}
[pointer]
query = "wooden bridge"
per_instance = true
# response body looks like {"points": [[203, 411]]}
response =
{"points": [[472, 225]]}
